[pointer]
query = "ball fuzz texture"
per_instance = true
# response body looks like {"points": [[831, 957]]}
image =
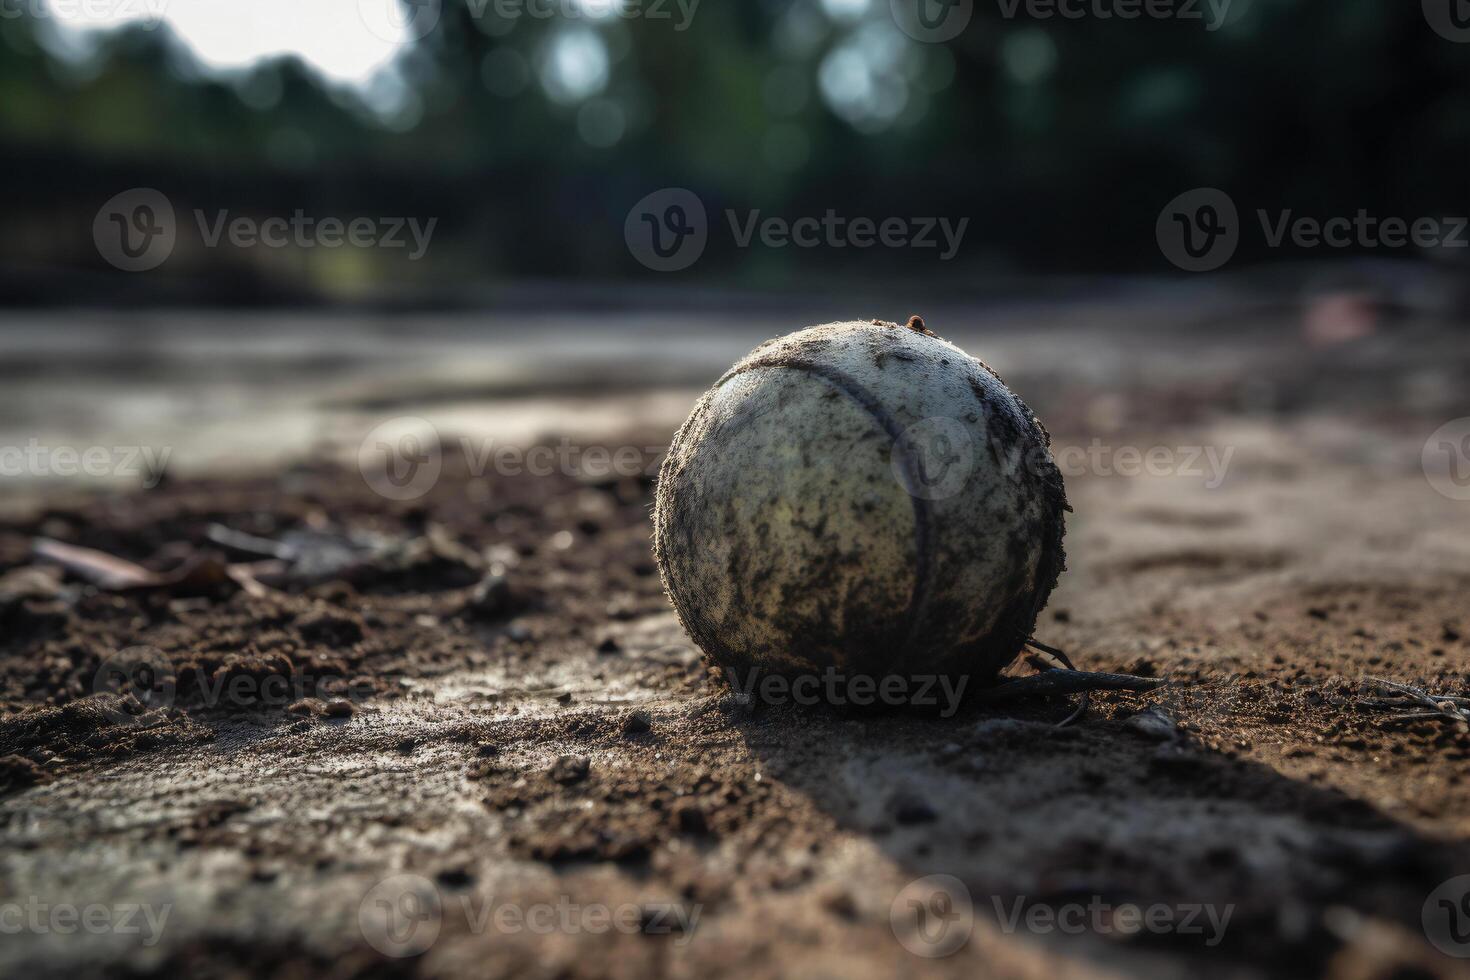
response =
{"points": [[862, 497]]}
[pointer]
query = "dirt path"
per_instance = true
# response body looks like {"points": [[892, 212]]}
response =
{"points": [[474, 733]]}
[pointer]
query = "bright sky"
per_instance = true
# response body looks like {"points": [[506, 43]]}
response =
{"points": [[347, 40]]}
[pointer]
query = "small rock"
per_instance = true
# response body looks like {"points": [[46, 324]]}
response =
{"points": [[306, 706], [608, 647], [455, 877], [338, 708], [1153, 724], [637, 723], [570, 769], [565, 697]]}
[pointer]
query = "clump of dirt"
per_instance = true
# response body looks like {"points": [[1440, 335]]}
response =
{"points": [[329, 627], [99, 726], [372, 593], [17, 773]]}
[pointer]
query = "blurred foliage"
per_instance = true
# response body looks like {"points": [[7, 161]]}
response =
{"points": [[530, 138]]}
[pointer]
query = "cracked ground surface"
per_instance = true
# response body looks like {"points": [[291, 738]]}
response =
{"points": [[487, 748]]}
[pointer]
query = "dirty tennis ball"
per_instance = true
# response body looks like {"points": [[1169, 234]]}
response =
{"points": [[860, 497]]}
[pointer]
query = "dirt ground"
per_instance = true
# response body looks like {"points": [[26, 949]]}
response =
{"points": [[464, 735]]}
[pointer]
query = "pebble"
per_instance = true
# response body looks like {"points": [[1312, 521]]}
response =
{"points": [[570, 769], [1153, 724], [338, 708], [455, 877]]}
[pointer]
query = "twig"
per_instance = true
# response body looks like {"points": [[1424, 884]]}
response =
{"points": [[1060, 657], [1447, 708], [101, 569], [1059, 654], [1053, 681], [1056, 683]]}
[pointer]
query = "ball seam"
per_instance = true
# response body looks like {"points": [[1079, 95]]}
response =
{"points": [[923, 515]]}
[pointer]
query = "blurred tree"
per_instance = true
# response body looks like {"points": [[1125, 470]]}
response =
{"points": [[530, 137]]}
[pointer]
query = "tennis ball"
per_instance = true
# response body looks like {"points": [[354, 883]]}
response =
{"points": [[862, 497]]}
